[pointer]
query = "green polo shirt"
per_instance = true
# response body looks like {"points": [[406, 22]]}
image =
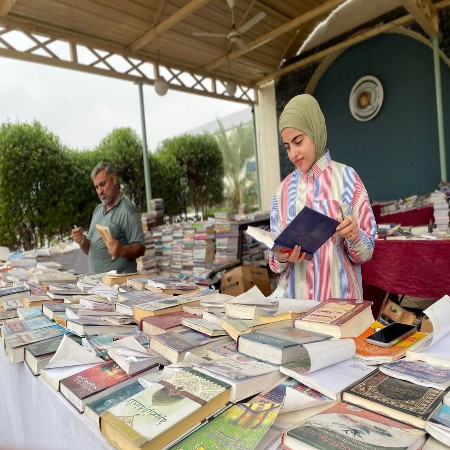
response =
{"points": [[124, 223]]}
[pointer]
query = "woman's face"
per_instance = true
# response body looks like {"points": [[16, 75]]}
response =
{"points": [[300, 148]]}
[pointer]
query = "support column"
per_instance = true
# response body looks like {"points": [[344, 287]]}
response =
{"points": [[148, 186], [267, 144], [440, 113]]}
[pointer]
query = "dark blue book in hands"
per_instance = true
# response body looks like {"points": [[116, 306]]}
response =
{"points": [[309, 230]]}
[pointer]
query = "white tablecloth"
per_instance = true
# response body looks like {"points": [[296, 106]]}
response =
{"points": [[33, 417]]}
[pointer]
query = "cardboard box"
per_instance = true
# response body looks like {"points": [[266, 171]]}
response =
{"points": [[242, 278]]}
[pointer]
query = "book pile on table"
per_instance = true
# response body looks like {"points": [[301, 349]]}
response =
{"points": [[159, 370]]}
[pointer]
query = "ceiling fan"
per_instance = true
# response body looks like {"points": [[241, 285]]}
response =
{"points": [[235, 35]]}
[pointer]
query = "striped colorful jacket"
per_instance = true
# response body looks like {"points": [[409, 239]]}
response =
{"points": [[335, 270]]}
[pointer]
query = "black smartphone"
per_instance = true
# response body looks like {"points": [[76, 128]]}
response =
{"points": [[391, 334]]}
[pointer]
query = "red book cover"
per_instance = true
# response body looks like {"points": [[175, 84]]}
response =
{"points": [[168, 320], [95, 379], [335, 311]]}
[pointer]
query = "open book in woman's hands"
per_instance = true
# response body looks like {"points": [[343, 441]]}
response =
{"points": [[309, 230]]}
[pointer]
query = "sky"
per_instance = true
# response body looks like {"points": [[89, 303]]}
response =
{"points": [[81, 109]]}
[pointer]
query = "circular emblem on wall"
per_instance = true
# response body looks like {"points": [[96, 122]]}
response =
{"points": [[366, 98]]}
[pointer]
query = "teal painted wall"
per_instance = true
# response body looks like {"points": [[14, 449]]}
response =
{"points": [[396, 153]]}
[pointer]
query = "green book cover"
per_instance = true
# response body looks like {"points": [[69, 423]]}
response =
{"points": [[240, 427]]}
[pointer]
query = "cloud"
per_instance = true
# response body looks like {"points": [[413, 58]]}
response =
{"points": [[81, 109]]}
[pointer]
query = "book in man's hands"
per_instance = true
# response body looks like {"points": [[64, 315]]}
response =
{"points": [[309, 230]]}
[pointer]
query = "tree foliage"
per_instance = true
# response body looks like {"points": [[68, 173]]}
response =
{"points": [[123, 149], [46, 188], [201, 162], [238, 148], [33, 195]]}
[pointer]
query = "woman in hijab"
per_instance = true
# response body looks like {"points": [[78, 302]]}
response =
{"points": [[331, 188]]}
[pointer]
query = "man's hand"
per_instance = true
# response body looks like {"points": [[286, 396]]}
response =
{"points": [[77, 235]]}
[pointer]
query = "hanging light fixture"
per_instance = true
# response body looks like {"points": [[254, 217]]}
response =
{"points": [[231, 87], [161, 86]]}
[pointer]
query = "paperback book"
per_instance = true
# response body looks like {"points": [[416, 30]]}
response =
{"points": [[337, 317], [162, 413], [344, 426]]}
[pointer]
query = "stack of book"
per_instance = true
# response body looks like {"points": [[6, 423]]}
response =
{"points": [[441, 210]]}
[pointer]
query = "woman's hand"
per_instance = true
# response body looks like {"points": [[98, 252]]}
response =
{"points": [[348, 228], [296, 256]]}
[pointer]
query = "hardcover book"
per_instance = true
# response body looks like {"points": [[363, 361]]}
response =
{"points": [[163, 306], [97, 381], [164, 323], [37, 355], [164, 411], [246, 376], [94, 409], [337, 317], [15, 343], [204, 326], [278, 346], [349, 427], [231, 428], [309, 230], [398, 399], [174, 346]]}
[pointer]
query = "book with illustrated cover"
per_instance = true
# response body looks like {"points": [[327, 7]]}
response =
{"points": [[28, 313], [92, 383], [231, 428], [163, 412], [94, 409], [277, 346], [346, 426], [309, 230], [15, 343], [15, 326], [163, 306], [399, 399], [337, 317]]}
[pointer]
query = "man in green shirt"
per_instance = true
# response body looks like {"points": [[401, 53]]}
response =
{"points": [[122, 218]]}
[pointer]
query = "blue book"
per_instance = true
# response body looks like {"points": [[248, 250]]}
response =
{"points": [[309, 229]]}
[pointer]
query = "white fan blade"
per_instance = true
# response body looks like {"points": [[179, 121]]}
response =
{"points": [[240, 44], [252, 22], [217, 35]]}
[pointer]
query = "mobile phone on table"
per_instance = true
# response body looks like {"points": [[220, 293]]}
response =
{"points": [[391, 334]]}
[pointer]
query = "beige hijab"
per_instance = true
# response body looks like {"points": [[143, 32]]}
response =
{"points": [[303, 113]]}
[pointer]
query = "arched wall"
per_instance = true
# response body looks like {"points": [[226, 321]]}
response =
{"points": [[397, 152]]}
